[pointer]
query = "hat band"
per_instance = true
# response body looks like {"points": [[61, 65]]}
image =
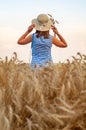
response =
{"points": [[42, 24]]}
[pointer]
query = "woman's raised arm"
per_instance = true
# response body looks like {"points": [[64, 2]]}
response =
{"points": [[25, 39], [60, 41]]}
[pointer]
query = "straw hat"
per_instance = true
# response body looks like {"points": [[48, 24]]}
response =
{"points": [[42, 22]]}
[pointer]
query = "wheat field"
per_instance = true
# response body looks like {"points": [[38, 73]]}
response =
{"points": [[53, 98]]}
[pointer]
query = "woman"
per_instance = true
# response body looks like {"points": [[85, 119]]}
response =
{"points": [[42, 40]]}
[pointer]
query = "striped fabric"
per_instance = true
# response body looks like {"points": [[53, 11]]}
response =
{"points": [[41, 51]]}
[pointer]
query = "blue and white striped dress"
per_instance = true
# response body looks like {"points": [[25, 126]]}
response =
{"points": [[41, 51]]}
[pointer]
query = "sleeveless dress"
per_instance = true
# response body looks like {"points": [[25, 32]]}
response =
{"points": [[41, 51]]}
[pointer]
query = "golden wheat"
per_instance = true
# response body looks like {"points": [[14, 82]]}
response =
{"points": [[53, 98]]}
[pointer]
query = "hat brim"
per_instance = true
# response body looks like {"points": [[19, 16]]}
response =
{"points": [[39, 27]]}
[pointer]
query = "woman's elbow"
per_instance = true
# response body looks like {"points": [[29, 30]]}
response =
{"points": [[18, 42], [66, 45]]}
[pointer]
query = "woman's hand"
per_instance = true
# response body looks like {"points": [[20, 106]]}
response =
{"points": [[30, 28], [54, 29]]}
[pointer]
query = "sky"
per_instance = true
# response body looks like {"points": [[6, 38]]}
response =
{"points": [[16, 16]]}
